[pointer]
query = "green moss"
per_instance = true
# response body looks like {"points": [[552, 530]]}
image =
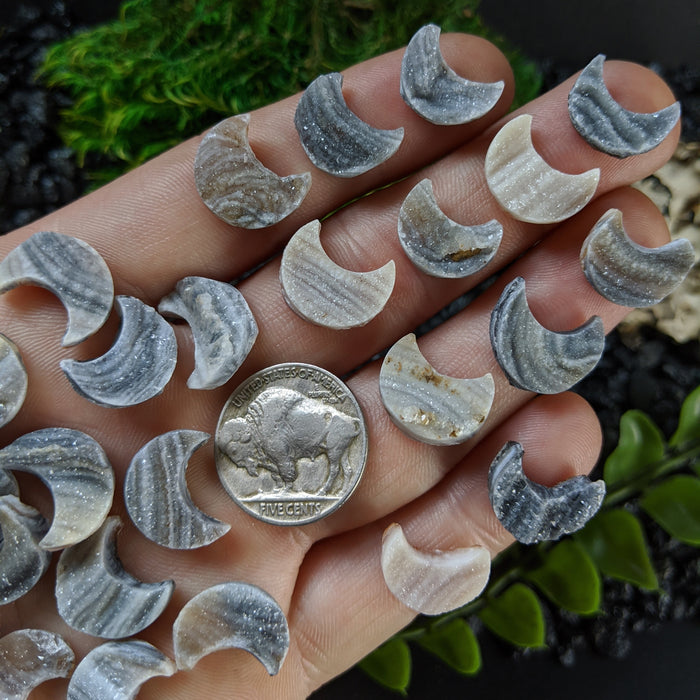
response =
{"points": [[167, 69]]}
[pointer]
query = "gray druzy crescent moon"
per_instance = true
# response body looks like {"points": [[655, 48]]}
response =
{"points": [[76, 470], [222, 324], [13, 380], [627, 273], [525, 185], [22, 561], [428, 406], [434, 91], [535, 358], [609, 127], [157, 498], [231, 615], [335, 139], [324, 293], [71, 269], [97, 596], [117, 670], [8, 484], [439, 246], [532, 512], [137, 366], [28, 658], [236, 186]]}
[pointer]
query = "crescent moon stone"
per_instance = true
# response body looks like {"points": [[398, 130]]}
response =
{"points": [[525, 185], [324, 293], [13, 380], [335, 139], [434, 91], [97, 596], [236, 186], [534, 358], [78, 473], [627, 273], [28, 658], [231, 615], [22, 561], [157, 498], [117, 670], [439, 246], [432, 583], [428, 406], [532, 512], [609, 127], [71, 269], [137, 366], [8, 484], [222, 324]]}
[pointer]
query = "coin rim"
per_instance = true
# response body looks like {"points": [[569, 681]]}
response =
{"points": [[219, 455]]}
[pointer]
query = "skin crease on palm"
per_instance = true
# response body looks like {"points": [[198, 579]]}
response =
{"points": [[152, 229]]}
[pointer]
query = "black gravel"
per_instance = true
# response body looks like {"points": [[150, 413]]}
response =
{"points": [[37, 173], [649, 372]]}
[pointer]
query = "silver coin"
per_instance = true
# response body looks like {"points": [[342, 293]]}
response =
{"points": [[291, 444]]}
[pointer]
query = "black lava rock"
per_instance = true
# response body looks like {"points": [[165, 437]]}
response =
{"points": [[37, 173]]}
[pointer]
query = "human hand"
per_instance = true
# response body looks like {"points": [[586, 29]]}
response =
{"points": [[152, 229]]}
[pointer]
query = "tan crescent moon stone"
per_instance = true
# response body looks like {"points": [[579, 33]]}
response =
{"points": [[525, 185], [432, 583], [236, 186], [429, 406]]}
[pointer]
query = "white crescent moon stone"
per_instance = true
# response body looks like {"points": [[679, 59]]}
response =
{"points": [[436, 582], [324, 293], [525, 185]]}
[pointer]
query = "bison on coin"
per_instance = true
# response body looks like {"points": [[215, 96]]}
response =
{"points": [[282, 427]]}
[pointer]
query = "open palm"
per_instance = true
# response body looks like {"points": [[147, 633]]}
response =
{"points": [[153, 229]]}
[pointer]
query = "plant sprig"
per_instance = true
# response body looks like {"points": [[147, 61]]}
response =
{"points": [[663, 477], [166, 70]]}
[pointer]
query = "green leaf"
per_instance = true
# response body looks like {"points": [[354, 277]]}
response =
{"points": [[516, 616], [569, 578], [389, 665], [675, 505], [454, 643], [615, 541], [641, 444], [688, 421]]}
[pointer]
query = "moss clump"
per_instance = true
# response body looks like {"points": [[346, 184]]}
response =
{"points": [[167, 69]]}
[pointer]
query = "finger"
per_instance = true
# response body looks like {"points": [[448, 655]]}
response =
{"points": [[560, 298], [364, 236], [153, 229], [560, 436], [360, 237], [400, 469]]}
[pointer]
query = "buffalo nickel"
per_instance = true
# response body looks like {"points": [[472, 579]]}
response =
{"points": [[291, 444]]}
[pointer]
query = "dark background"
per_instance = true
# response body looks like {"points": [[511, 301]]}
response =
{"points": [[665, 32]]}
